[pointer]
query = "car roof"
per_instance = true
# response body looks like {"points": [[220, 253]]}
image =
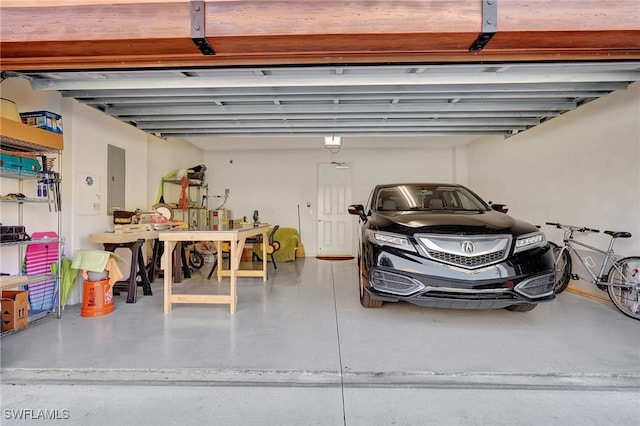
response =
{"points": [[390, 185]]}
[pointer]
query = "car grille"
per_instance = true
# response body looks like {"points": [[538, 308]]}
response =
{"points": [[467, 296], [468, 261], [466, 251]]}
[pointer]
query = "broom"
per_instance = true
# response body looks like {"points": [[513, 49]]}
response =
{"points": [[299, 247]]}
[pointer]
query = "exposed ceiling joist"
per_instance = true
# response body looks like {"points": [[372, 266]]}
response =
{"points": [[462, 99]]}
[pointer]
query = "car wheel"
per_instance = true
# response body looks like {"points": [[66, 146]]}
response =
{"points": [[522, 307], [365, 298]]}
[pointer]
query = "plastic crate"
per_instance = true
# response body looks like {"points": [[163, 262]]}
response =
{"points": [[43, 119]]}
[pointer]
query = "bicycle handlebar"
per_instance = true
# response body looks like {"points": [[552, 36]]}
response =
{"points": [[572, 227]]}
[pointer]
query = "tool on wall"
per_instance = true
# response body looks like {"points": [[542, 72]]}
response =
{"points": [[49, 184]]}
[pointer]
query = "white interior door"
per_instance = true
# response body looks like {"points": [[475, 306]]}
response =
{"points": [[334, 222]]}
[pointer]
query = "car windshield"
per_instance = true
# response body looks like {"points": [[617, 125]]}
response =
{"points": [[427, 198]]}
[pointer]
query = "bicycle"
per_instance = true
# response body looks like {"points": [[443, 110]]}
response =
{"points": [[196, 259], [622, 281]]}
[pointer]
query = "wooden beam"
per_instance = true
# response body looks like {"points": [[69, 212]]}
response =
{"points": [[140, 33]]}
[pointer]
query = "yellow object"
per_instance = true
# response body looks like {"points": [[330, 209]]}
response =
{"points": [[288, 239], [8, 109], [300, 250], [270, 248]]}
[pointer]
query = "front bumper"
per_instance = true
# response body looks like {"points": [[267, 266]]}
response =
{"points": [[394, 275]]}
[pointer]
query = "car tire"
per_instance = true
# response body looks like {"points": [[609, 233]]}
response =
{"points": [[365, 298], [522, 307]]}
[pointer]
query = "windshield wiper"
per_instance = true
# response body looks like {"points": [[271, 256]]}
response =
{"points": [[456, 209]]}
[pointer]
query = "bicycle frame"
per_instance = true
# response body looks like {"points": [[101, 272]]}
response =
{"points": [[601, 278], [621, 281]]}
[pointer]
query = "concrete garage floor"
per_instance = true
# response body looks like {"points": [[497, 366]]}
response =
{"points": [[301, 351]]}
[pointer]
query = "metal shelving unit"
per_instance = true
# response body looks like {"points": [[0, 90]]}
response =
{"points": [[201, 212], [20, 138]]}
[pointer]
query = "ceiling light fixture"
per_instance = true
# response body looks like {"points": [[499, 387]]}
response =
{"points": [[333, 143]]}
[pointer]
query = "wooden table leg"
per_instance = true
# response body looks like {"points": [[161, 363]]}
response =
{"points": [[132, 284], [177, 269], [146, 283], [167, 266], [265, 239], [220, 255], [186, 273], [233, 266], [154, 258]]}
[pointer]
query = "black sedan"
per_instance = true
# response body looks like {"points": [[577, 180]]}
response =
{"points": [[440, 245]]}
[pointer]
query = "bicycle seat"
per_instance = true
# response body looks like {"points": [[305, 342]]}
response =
{"points": [[616, 234]]}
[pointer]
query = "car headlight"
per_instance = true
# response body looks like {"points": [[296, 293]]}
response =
{"points": [[529, 241], [391, 240]]}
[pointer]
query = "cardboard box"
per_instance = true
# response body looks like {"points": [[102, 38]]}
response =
{"points": [[15, 309], [43, 120]]}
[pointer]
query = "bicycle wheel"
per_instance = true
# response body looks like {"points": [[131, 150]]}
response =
{"points": [[624, 286], [196, 259], [563, 269]]}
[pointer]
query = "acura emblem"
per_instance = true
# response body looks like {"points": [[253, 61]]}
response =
{"points": [[468, 247]]}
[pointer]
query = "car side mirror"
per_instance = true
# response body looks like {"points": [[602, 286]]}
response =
{"points": [[357, 210], [502, 208]]}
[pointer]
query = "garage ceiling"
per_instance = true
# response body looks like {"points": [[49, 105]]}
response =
{"points": [[306, 68], [358, 100]]}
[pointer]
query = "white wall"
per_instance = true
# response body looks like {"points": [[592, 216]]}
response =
{"points": [[91, 132], [276, 182], [87, 132], [581, 168]]}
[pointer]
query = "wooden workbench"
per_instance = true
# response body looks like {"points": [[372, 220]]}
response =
{"points": [[236, 239], [114, 238]]}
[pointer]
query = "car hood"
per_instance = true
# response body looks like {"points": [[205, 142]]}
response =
{"points": [[460, 222]]}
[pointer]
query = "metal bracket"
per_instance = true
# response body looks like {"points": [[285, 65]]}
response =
{"points": [[489, 25], [197, 28]]}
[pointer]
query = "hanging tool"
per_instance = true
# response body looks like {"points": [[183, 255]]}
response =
{"points": [[47, 189], [45, 180], [44, 190], [57, 179], [51, 190]]}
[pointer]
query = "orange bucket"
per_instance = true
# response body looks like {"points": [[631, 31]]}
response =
{"points": [[97, 298]]}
